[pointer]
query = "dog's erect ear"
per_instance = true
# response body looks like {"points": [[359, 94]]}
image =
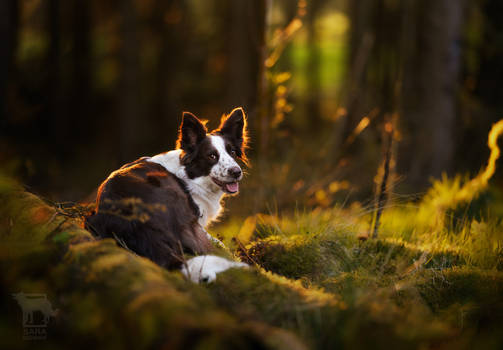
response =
{"points": [[233, 126], [192, 132]]}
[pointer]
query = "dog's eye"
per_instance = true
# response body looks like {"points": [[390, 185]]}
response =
{"points": [[233, 153], [212, 156]]}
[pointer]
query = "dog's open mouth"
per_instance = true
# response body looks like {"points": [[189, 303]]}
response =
{"points": [[227, 187]]}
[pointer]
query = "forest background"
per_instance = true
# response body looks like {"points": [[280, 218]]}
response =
{"points": [[86, 86]]}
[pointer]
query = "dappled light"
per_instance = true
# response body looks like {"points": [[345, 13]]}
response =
{"points": [[451, 193], [337, 183]]}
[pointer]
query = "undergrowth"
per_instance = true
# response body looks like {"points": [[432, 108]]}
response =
{"points": [[438, 281], [433, 279]]}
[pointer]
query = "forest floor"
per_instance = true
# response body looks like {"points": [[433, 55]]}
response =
{"points": [[432, 279]]}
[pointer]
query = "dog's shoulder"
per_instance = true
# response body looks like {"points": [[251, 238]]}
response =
{"points": [[149, 182]]}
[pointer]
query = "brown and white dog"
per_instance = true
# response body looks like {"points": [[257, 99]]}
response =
{"points": [[159, 206]]}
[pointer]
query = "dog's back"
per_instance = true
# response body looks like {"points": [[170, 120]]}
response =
{"points": [[149, 209]]}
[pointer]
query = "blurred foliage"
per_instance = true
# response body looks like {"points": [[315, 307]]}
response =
{"points": [[94, 80]]}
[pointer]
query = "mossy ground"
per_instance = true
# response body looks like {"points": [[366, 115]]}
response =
{"points": [[314, 284]]}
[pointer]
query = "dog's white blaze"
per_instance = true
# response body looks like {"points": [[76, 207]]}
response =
{"points": [[204, 268], [225, 161], [207, 196]]}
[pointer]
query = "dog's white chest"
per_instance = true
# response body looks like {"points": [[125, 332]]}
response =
{"points": [[202, 189], [207, 202]]}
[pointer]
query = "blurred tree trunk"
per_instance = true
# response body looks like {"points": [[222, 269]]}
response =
{"points": [[128, 98], [430, 90], [79, 108], [167, 22], [375, 57], [57, 121], [9, 22], [405, 57], [313, 67], [374, 77], [259, 112], [361, 40], [246, 56], [242, 55]]}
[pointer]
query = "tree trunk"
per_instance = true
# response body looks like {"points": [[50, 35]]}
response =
{"points": [[128, 99], [313, 68], [80, 95], [361, 40], [9, 12], [166, 108], [246, 55], [57, 122], [241, 56], [405, 57], [430, 90]]}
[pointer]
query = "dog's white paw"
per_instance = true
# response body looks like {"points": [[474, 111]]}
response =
{"points": [[205, 268]]}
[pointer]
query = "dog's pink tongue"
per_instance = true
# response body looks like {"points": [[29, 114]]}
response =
{"points": [[232, 187]]}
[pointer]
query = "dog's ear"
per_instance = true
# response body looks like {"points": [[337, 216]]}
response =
{"points": [[192, 132], [234, 127]]}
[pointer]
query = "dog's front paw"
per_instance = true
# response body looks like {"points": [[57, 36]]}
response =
{"points": [[205, 268]]}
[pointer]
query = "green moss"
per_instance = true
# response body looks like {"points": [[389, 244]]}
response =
{"points": [[316, 285], [105, 295], [293, 257], [460, 285]]}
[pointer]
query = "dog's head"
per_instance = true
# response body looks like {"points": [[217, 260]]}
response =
{"points": [[214, 156]]}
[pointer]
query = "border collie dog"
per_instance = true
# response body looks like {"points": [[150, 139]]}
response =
{"points": [[159, 206]]}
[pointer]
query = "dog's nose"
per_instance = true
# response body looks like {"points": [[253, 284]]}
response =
{"points": [[235, 172]]}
